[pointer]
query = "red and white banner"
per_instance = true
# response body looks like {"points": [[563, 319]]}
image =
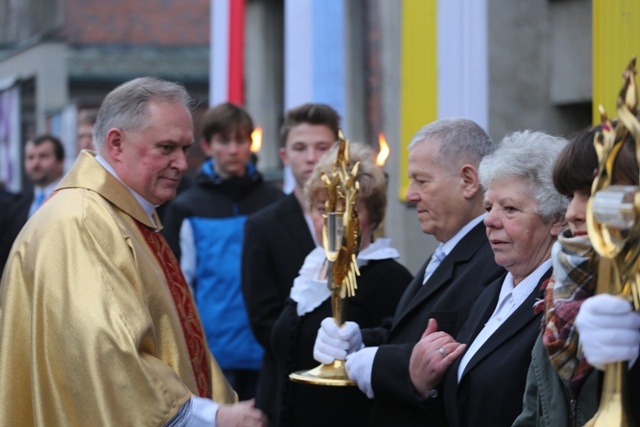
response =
{"points": [[226, 69]]}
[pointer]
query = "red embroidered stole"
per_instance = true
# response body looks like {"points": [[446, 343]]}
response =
{"points": [[189, 319]]}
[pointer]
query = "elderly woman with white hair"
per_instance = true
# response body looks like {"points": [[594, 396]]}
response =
{"points": [[484, 368]]}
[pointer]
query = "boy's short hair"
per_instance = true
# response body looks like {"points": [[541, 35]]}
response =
{"points": [[224, 119], [315, 114]]}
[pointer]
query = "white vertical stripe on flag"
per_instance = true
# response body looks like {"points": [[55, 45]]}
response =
{"points": [[463, 60], [219, 58], [298, 55]]}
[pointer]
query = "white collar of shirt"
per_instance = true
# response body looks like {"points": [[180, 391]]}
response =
{"points": [[452, 242], [511, 297], [523, 290], [309, 291], [448, 246], [147, 206], [379, 249]]}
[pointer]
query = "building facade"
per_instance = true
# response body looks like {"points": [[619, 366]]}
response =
{"points": [[387, 66]]}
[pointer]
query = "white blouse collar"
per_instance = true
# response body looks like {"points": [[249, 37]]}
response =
{"points": [[309, 291]]}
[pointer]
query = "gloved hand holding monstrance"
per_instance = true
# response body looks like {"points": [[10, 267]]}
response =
{"points": [[613, 218], [341, 240]]}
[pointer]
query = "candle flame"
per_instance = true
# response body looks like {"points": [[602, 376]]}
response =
{"points": [[256, 140], [384, 150]]}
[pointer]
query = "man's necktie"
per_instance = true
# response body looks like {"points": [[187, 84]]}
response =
{"points": [[435, 261], [39, 199]]}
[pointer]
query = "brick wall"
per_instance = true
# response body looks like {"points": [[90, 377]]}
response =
{"points": [[137, 22], [22, 19]]}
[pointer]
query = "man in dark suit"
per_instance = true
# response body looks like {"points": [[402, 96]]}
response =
{"points": [[278, 238], [443, 167], [44, 166]]}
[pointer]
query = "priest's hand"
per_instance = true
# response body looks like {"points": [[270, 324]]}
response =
{"points": [[431, 357], [609, 330], [241, 414], [334, 342]]}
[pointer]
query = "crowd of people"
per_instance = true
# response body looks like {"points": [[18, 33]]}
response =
{"points": [[112, 314]]}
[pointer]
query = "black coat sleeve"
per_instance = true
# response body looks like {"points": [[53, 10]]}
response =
{"points": [[174, 215], [260, 286]]}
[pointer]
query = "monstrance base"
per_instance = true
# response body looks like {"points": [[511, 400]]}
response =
{"points": [[333, 374]]}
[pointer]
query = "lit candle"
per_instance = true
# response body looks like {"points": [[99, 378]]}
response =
{"points": [[384, 151], [256, 140], [256, 144]]}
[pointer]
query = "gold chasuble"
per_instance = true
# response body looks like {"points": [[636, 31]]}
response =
{"points": [[97, 327]]}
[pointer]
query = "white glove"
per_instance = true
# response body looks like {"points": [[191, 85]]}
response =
{"points": [[609, 330], [359, 366], [334, 343]]}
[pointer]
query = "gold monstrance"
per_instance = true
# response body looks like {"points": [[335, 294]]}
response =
{"points": [[341, 240], [613, 219]]}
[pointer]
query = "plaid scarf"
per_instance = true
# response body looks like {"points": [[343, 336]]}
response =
{"points": [[573, 281]]}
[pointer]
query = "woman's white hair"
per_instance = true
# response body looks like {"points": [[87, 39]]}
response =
{"points": [[528, 156]]}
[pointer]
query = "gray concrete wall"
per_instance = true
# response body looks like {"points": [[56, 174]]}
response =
{"points": [[47, 64], [355, 59], [571, 41], [530, 44], [264, 87], [24, 19]]}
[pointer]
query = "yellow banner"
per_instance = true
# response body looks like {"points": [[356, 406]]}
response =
{"points": [[616, 38], [419, 84]]}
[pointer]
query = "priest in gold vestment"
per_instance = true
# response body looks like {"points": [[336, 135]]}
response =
{"points": [[97, 325]]}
